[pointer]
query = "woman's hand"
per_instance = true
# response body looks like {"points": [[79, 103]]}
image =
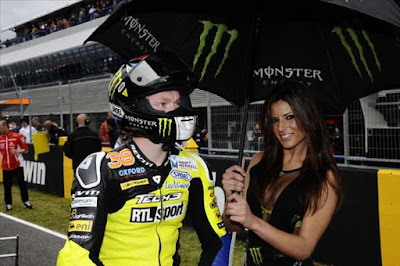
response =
{"points": [[239, 211], [233, 180]]}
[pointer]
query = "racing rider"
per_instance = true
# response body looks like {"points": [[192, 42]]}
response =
{"points": [[129, 204]]}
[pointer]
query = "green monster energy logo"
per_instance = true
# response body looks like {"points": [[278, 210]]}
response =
{"points": [[361, 52], [221, 29], [117, 79], [256, 255], [163, 125], [295, 219]]}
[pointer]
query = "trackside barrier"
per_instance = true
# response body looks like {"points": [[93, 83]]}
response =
{"points": [[16, 238], [389, 215], [45, 174]]}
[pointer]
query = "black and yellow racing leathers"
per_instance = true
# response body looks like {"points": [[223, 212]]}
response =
{"points": [[127, 211]]}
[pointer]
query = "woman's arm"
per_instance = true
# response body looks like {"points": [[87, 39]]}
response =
{"points": [[236, 179]]}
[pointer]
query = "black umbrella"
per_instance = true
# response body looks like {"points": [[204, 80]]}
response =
{"points": [[339, 53]]}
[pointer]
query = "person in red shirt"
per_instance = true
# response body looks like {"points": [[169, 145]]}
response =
{"points": [[9, 142], [104, 130]]}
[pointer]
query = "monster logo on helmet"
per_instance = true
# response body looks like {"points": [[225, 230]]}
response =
{"points": [[148, 75]]}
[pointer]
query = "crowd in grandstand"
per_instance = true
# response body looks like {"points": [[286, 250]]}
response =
{"points": [[75, 15]]}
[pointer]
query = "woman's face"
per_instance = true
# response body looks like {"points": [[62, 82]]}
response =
{"points": [[285, 127]]}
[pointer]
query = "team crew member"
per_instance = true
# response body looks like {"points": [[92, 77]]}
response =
{"points": [[9, 142], [128, 204], [82, 142]]}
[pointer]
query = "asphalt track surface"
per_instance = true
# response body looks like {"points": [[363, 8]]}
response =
{"points": [[38, 246]]}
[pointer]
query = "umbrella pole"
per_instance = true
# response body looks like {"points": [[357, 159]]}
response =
{"points": [[239, 162], [243, 132]]}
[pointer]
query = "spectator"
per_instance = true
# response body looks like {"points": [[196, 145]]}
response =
{"points": [[53, 132], [60, 24], [113, 131], [53, 26], [9, 142], [82, 15], [82, 142], [92, 12], [72, 20], [26, 34], [257, 136], [203, 141], [337, 142], [27, 130], [250, 138], [104, 130], [203, 138], [34, 31], [11, 124], [36, 123], [65, 23], [233, 138]]}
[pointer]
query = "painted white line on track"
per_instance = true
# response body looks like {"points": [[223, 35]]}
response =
{"points": [[54, 233]]}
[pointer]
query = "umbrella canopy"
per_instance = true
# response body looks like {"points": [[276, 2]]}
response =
{"points": [[341, 54]]}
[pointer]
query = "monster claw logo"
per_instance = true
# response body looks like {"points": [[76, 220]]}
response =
{"points": [[221, 30], [163, 125], [256, 255], [361, 51], [114, 83]]}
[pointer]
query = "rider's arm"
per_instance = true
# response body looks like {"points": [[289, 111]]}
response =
{"points": [[88, 214], [207, 219]]}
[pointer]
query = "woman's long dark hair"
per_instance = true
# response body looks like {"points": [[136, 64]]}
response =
{"points": [[319, 159]]}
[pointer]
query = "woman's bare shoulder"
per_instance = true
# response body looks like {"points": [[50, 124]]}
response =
{"points": [[256, 159]]}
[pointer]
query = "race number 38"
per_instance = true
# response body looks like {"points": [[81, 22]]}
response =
{"points": [[121, 158]]}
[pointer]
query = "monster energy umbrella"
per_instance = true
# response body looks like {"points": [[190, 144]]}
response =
{"points": [[339, 53]]}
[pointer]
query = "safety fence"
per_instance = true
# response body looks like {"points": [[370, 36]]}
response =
{"points": [[372, 129]]}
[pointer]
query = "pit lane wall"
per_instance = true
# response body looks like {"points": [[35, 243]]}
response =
{"points": [[365, 231]]}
